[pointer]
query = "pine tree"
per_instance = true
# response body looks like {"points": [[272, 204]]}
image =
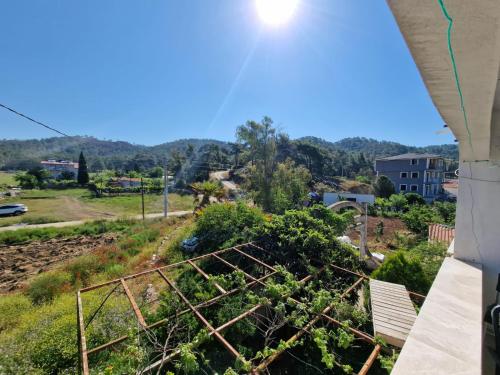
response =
{"points": [[83, 174]]}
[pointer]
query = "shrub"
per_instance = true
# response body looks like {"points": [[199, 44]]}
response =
{"points": [[383, 187], [45, 287], [397, 268], [418, 218], [414, 198], [114, 271], [298, 236], [363, 179], [430, 256], [226, 224], [82, 268], [398, 202]]}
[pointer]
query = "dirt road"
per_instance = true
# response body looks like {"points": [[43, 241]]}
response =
{"points": [[223, 176], [62, 224]]}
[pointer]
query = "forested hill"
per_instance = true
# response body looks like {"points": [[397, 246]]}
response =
{"points": [[23, 154], [373, 148]]}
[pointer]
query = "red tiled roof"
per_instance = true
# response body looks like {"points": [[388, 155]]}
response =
{"points": [[441, 233]]}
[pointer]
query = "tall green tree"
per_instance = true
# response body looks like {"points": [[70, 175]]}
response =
{"points": [[83, 174], [383, 187], [259, 142]]}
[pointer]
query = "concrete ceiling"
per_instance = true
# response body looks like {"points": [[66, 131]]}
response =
{"points": [[475, 40]]}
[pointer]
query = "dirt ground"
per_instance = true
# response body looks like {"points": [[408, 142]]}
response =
{"points": [[385, 242], [19, 262]]}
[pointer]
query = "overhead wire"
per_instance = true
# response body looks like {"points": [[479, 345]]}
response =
{"points": [[33, 120]]}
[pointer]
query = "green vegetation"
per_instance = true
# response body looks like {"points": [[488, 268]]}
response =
{"points": [[383, 187], [51, 205], [91, 228], [226, 224], [416, 214], [7, 179], [38, 327], [349, 157], [83, 174], [416, 267]]}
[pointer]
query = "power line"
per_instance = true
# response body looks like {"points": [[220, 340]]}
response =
{"points": [[33, 120]]}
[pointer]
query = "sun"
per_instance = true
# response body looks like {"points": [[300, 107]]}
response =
{"points": [[276, 12]]}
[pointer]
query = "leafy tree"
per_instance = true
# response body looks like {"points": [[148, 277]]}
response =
{"points": [[67, 175], [418, 218], [259, 142], [446, 210], [398, 202], [414, 198], [26, 180], [400, 270], [383, 187], [156, 172], [83, 174], [289, 186]]}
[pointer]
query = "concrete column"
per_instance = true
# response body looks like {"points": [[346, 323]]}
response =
{"points": [[477, 237]]}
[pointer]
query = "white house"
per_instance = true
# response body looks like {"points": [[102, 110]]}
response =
{"points": [[330, 198]]}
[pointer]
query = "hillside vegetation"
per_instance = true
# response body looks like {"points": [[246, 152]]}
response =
{"points": [[118, 155]]}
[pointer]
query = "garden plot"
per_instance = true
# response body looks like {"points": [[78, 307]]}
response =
{"points": [[19, 262]]}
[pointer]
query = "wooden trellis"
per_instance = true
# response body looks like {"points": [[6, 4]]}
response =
{"points": [[195, 309]]}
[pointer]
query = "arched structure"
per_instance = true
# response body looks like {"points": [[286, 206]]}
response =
{"points": [[364, 253]]}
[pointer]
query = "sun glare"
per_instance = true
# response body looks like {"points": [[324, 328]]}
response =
{"points": [[276, 12]]}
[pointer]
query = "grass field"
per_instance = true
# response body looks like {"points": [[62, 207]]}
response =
{"points": [[48, 206], [7, 178]]}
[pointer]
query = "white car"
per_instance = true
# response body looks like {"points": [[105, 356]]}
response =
{"points": [[13, 209]]}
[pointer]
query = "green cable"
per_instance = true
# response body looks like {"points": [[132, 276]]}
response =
{"points": [[455, 71]]}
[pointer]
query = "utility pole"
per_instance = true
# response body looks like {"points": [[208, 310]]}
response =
{"points": [[142, 196], [165, 190]]}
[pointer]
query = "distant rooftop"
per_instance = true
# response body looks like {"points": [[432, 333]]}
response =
{"points": [[410, 155], [59, 162]]}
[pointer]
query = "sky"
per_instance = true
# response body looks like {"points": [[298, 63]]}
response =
{"points": [[153, 71]]}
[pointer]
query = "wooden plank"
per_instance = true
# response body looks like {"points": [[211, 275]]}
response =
{"points": [[392, 310]]}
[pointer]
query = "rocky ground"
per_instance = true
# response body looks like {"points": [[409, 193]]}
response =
{"points": [[19, 262]]}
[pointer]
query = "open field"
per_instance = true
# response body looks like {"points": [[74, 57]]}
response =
{"points": [[7, 178], [49, 206]]}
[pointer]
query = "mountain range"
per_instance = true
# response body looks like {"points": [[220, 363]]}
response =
{"points": [[22, 154]]}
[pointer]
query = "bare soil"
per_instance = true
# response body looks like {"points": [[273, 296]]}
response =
{"points": [[385, 241], [20, 262]]}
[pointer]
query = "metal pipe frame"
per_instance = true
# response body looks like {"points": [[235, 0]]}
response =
{"points": [[195, 309]]}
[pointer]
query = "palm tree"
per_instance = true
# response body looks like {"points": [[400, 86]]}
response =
{"points": [[207, 189]]}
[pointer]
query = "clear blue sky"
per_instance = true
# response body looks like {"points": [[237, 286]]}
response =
{"points": [[151, 71]]}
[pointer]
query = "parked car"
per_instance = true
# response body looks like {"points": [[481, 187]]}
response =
{"points": [[189, 245], [13, 209]]}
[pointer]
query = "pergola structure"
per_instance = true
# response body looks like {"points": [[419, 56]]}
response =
{"points": [[250, 252]]}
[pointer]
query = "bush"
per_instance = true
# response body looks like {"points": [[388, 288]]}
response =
{"points": [[82, 268], [114, 271], [297, 237], [226, 224], [45, 287], [397, 268], [414, 198], [430, 256], [383, 187], [418, 218]]}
